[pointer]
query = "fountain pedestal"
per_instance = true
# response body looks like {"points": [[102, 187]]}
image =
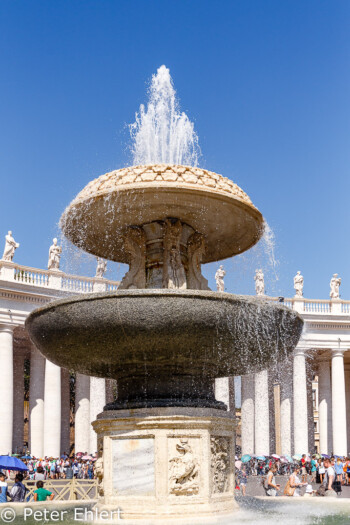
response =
{"points": [[167, 462]]}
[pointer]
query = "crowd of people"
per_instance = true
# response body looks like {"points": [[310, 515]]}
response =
{"points": [[79, 466], [331, 473]]}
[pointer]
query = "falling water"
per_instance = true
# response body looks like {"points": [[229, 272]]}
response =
{"points": [[161, 133], [269, 242]]}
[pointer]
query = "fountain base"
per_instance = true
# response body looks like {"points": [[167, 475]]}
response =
{"points": [[167, 462]]}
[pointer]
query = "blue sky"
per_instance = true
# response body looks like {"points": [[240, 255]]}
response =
{"points": [[266, 83]]}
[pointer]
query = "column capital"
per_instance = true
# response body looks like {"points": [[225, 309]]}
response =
{"points": [[300, 352], [338, 352], [8, 328]]}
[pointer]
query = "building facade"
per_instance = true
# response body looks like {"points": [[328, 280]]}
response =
{"points": [[279, 406], [22, 289]]}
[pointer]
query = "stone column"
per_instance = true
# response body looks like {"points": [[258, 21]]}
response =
{"points": [[286, 408], [277, 418], [261, 413], [52, 410], [347, 401], [338, 404], [325, 406], [82, 413], [18, 402], [225, 391], [97, 402], [310, 408], [6, 405], [300, 403], [65, 411], [247, 414], [36, 403]]}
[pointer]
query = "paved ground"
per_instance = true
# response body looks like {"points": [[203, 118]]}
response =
{"points": [[255, 488]]}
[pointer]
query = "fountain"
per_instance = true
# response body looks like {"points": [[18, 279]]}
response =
{"points": [[167, 443]]}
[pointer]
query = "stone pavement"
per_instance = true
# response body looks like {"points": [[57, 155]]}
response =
{"points": [[255, 488]]}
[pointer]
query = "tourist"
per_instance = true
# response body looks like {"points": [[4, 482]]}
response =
{"points": [[303, 468], [4, 493], [40, 474], [68, 470], [321, 470], [53, 470], [270, 483], [75, 468], [18, 491], [347, 474], [90, 470], [243, 479], [295, 483], [326, 489], [313, 469], [309, 491], [338, 467], [41, 494]]}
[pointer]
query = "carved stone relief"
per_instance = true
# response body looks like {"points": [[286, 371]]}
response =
{"points": [[183, 470], [220, 463], [99, 476], [174, 276], [135, 246], [195, 250]]}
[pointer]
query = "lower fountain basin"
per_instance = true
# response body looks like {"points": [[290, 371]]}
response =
{"points": [[163, 346]]}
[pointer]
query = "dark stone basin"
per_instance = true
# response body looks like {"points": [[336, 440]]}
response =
{"points": [[165, 347]]}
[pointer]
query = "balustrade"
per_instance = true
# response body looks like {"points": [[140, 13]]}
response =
{"points": [[53, 279]]}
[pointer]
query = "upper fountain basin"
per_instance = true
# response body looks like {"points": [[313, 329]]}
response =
{"points": [[213, 205], [164, 332]]}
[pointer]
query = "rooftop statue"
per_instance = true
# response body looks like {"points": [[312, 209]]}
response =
{"points": [[101, 267], [259, 282], [54, 256], [10, 247], [219, 278], [298, 284], [335, 284]]}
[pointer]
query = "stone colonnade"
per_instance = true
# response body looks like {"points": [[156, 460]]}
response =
{"points": [[295, 410], [49, 403]]}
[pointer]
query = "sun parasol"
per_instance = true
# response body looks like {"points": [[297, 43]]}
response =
{"points": [[12, 463], [246, 458]]}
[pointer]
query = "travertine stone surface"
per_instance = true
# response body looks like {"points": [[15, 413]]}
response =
{"points": [[166, 462], [99, 217], [162, 173]]}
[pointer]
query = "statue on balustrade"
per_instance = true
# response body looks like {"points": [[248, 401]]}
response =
{"points": [[101, 267], [10, 247], [335, 284], [259, 282], [298, 284], [219, 278], [54, 256]]}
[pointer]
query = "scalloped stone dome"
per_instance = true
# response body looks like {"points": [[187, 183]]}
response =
{"points": [[213, 205]]}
